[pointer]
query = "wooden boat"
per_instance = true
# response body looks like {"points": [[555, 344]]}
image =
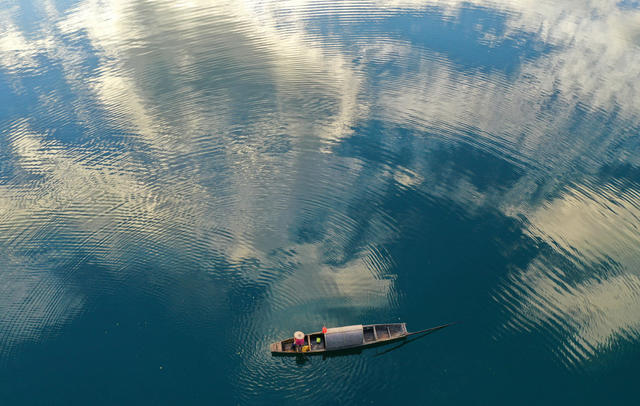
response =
{"points": [[347, 338]]}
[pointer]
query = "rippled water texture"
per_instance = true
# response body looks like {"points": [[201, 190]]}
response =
{"points": [[184, 182]]}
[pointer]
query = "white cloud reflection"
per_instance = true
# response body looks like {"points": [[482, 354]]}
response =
{"points": [[593, 229], [308, 88], [33, 301], [112, 203], [15, 51], [585, 319], [594, 66]]}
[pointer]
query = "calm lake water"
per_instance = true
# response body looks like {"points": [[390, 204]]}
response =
{"points": [[184, 182]]}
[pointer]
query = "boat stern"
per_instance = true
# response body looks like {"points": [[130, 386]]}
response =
{"points": [[276, 347]]}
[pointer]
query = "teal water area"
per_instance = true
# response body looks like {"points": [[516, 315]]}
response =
{"points": [[184, 182]]}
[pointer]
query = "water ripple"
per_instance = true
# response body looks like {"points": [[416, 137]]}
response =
{"points": [[586, 294], [261, 167]]}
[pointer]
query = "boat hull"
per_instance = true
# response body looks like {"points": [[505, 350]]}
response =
{"points": [[275, 351], [343, 340]]}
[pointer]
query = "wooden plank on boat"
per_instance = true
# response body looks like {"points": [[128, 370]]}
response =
{"points": [[350, 337]]}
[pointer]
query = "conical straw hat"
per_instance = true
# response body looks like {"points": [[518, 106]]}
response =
{"points": [[298, 335]]}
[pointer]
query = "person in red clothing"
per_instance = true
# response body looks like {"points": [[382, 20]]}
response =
{"points": [[298, 340]]}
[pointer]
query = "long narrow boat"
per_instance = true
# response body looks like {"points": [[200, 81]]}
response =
{"points": [[347, 338]]}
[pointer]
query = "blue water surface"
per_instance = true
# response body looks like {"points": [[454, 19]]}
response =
{"points": [[183, 183]]}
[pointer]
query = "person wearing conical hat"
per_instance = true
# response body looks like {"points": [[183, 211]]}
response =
{"points": [[298, 340]]}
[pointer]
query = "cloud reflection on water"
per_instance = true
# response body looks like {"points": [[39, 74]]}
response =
{"points": [[273, 93], [120, 201], [594, 297]]}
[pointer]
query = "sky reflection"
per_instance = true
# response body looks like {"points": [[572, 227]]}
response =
{"points": [[251, 133]]}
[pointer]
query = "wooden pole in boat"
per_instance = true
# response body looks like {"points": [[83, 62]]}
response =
{"points": [[430, 329]]}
